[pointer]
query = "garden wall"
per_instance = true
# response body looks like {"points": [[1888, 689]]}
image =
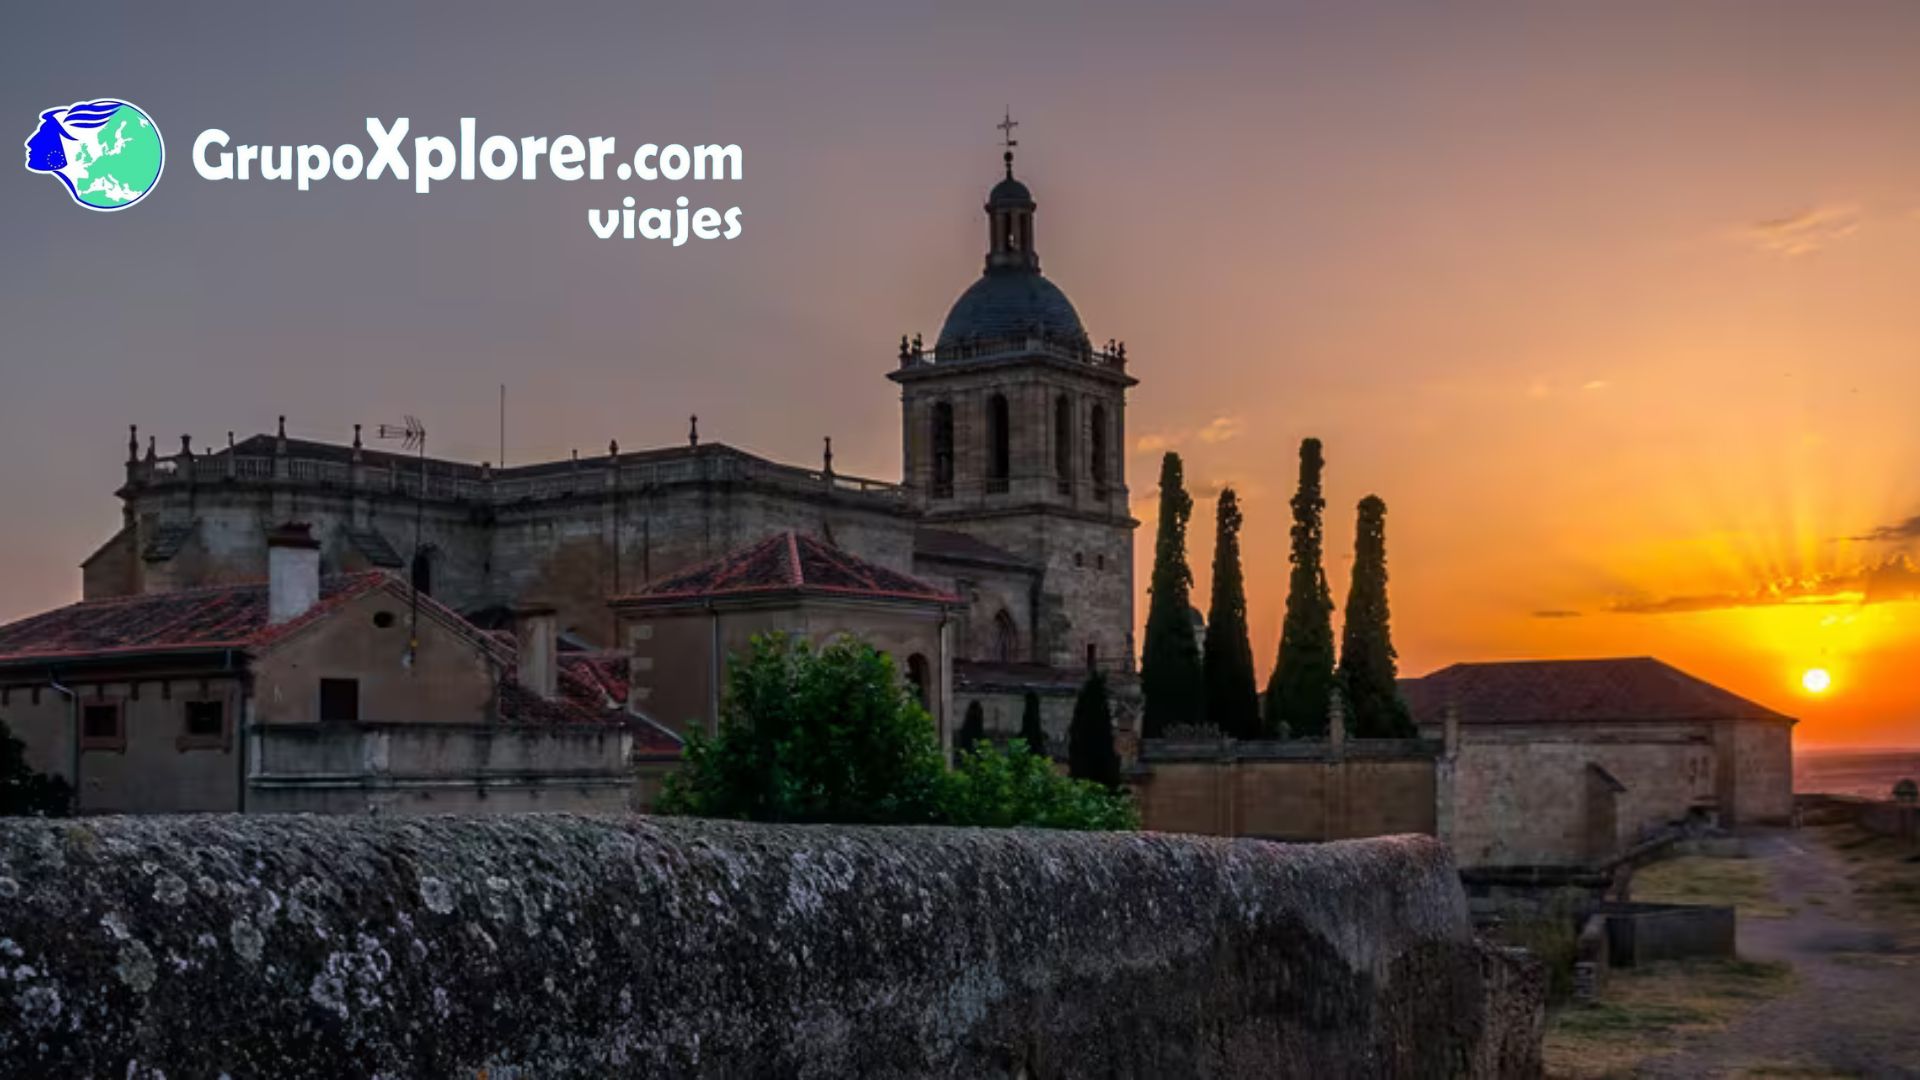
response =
{"points": [[559, 946]]}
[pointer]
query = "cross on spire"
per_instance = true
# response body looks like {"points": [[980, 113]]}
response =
{"points": [[1006, 125]]}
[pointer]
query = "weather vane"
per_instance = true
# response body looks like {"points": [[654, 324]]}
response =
{"points": [[1006, 126]]}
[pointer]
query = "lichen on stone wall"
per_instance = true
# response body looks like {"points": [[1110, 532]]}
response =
{"points": [[559, 946]]}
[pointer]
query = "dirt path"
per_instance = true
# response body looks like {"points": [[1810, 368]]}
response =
{"points": [[1854, 1009]]}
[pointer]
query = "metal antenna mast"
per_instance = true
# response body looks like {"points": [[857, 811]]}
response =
{"points": [[413, 436]]}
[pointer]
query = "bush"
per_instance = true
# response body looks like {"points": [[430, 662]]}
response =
{"points": [[24, 792], [1000, 787], [834, 736]]}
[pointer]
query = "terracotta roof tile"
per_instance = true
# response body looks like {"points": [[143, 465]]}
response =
{"points": [[217, 617], [790, 562], [1629, 689], [592, 689]]}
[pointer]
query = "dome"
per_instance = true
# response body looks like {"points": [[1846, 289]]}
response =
{"points": [[1008, 303], [1009, 192]]}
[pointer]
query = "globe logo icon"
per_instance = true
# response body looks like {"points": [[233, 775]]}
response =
{"points": [[108, 153]]}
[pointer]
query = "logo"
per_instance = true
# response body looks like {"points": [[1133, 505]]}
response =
{"points": [[108, 153]]}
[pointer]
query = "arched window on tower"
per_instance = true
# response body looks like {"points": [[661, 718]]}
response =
{"points": [[1097, 451], [999, 443], [1006, 638], [943, 450], [1063, 443]]}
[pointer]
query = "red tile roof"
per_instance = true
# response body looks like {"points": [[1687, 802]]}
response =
{"points": [[592, 689], [216, 617], [789, 562], [1630, 689], [592, 685]]}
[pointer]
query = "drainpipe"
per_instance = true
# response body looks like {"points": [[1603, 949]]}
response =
{"points": [[238, 722], [713, 670], [73, 726], [943, 685]]}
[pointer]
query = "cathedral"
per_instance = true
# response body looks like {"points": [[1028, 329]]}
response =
{"points": [[1012, 502]]}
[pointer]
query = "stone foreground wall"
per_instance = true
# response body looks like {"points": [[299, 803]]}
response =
{"points": [[558, 946]]}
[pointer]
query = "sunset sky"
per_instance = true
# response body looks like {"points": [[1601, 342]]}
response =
{"points": [[1615, 306]]}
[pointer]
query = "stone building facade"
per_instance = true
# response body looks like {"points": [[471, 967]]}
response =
{"points": [[341, 694], [1538, 765], [1013, 498]]}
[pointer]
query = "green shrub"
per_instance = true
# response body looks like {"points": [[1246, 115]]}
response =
{"points": [[24, 792], [1001, 787], [832, 735]]}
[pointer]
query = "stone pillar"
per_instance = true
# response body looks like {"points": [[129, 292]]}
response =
{"points": [[1444, 772]]}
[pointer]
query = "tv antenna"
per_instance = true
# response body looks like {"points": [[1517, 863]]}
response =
{"points": [[412, 435]]}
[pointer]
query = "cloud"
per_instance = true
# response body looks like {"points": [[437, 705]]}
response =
{"points": [[1556, 613], [1218, 430], [1802, 233], [1896, 579], [1595, 385], [1897, 533]]}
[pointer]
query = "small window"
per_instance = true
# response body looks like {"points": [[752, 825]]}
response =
{"points": [[383, 620], [339, 701], [206, 719], [1093, 656], [204, 724], [1079, 559], [1100, 562], [102, 727]]}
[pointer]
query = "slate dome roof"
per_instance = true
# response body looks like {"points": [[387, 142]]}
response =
{"points": [[1009, 191], [1008, 303]]}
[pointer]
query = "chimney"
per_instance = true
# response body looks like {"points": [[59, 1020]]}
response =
{"points": [[293, 571], [535, 632]]}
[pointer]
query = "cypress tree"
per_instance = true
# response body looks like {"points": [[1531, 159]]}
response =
{"points": [[1302, 681], [1090, 753], [1170, 675], [1368, 675], [1233, 702], [1031, 729], [972, 730]]}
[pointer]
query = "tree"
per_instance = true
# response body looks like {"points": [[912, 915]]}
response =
{"points": [[1090, 753], [972, 730], [1302, 683], [1170, 675], [1032, 731], [1368, 676], [24, 792], [832, 735], [1233, 702]]}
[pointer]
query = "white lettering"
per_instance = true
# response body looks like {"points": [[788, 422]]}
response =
{"points": [[223, 170]]}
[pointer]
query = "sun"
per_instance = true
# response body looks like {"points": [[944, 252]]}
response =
{"points": [[1816, 680]]}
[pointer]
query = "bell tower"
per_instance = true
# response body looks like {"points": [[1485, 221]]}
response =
{"points": [[1014, 429]]}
